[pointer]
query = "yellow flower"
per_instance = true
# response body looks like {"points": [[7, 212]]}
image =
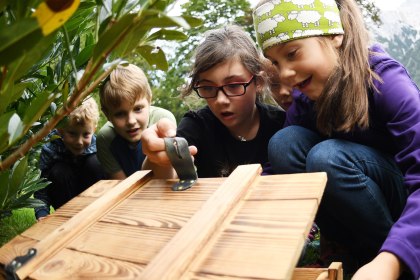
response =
{"points": [[52, 14]]}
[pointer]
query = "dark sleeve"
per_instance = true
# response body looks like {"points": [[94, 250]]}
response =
{"points": [[44, 163], [42, 195]]}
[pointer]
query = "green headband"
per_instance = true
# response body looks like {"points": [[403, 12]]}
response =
{"points": [[279, 21]]}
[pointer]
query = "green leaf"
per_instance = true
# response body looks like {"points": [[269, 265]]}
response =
{"points": [[160, 5], [4, 187], [84, 55], [154, 56], [118, 7], [192, 21], [18, 39], [17, 176], [65, 91], [163, 20], [14, 92], [38, 106], [111, 37], [20, 66], [26, 203], [131, 41], [15, 128], [4, 135], [164, 34], [83, 16]]}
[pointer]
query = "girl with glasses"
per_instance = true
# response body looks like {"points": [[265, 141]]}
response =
{"points": [[235, 127]]}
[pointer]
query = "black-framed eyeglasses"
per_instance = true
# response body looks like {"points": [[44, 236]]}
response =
{"points": [[231, 90]]}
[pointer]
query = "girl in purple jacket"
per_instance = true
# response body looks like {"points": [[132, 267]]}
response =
{"points": [[358, 119]]}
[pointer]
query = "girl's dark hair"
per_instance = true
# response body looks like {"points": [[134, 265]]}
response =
{"points": [[222, 44]]}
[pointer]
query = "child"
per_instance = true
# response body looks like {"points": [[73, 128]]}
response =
{"points": [[234, 128], [360, 123], [282, 94], [69, 161], [125, 100]]}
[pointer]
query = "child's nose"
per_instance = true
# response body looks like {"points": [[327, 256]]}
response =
{"points": [[221, 97], [132, 118], [286, 74]]}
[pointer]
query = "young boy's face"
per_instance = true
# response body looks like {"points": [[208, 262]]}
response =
{"points": [[130, 120], [77, 138]]}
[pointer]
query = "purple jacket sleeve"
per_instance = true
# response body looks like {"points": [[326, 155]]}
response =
{"points": [[398, 104]]}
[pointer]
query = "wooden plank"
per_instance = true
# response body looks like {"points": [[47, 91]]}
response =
{"points": [[161, 189], [264, 235], [77, 224], [173, 259], [99, 188], [274, 216], [308, 273], [68, 264], [130, 243], [43, 228], [153, 213], [252, 255], [291, 186], [333, 272]]}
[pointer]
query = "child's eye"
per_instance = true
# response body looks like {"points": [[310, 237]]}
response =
{"points": [[138, 109], [119, 114], [87, 135], [291, 54]]}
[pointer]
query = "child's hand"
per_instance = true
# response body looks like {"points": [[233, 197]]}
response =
{"points": [[153, 145], [41, 218], [385, 266]]}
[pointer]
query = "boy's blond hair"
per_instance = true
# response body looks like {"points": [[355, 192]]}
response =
{"points": [[124, 83], [87, 112]]}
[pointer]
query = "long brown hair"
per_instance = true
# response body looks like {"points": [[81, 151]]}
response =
{"points": [[344, 103]]}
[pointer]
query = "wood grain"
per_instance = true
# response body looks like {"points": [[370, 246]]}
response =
{"points": [[174, 258], [68, 264], [74, 226]]}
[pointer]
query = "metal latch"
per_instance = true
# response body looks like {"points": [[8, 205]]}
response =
{"points": [[17, 263], [180, 157]]}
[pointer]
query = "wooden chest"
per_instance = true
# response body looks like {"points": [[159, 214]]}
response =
{"points": [[245, 226]]}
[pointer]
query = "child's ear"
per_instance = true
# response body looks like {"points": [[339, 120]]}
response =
{"points": [[337, 41]]}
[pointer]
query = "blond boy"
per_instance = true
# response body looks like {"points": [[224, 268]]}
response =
{"points": [[125, 100], [69, 160]]}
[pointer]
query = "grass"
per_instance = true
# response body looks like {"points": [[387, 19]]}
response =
{"points": [[18, 222]]}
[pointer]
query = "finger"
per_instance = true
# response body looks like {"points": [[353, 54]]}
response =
{"points": [[160, 158], [166, 128], [193, 150]]}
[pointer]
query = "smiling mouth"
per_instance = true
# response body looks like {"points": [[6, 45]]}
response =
{"points": [[131, 131], [303, 84]]}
